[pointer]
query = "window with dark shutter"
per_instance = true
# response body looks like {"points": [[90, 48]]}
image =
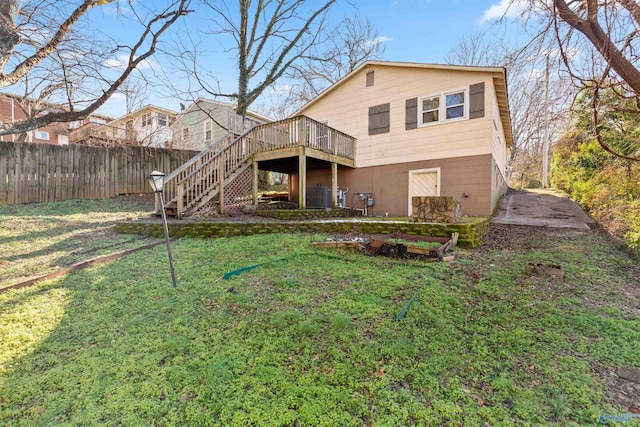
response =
{"points": [[379, 119], [369, 78], [476, 101], [411, 114]]}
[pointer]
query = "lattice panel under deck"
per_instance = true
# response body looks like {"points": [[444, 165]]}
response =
{"points": [[237, 193]]}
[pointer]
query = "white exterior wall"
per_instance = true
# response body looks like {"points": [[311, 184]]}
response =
{"points": [[347, 108], [152, 135]]}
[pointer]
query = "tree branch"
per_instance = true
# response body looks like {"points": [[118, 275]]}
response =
{"points": [[169, 19], [22, 68], [599, 39]]}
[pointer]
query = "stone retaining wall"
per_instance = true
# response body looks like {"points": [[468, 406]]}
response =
{"points": [[471, 231]]}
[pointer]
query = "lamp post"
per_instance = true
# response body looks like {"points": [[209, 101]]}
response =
{"points": [[156, 180]]}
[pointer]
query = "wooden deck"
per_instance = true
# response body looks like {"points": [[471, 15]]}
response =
{"points": [[204, 176]]}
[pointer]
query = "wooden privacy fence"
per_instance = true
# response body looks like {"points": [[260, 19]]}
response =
{"points": [[33, 173]]}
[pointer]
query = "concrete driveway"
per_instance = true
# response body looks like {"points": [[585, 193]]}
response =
{"points": [[542, 208]]}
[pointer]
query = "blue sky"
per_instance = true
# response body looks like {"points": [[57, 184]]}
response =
{"points": [[411, 31]]}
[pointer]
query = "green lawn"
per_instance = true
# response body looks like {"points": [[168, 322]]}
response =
{"points": [[310, 338], [40, 238]]}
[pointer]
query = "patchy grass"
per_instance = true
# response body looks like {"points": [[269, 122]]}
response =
{"points": [[309, 337], [42, 237], [418, 243]]}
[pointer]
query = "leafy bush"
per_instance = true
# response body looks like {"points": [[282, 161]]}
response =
{"points": [[607, 186]]}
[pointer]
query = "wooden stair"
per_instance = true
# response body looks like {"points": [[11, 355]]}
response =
{"points": [[202, 178]]}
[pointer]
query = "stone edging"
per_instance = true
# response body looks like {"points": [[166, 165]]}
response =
{"points": [[470, 234]]}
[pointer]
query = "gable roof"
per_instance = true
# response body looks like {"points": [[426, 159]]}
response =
{"points": [[228, 105], [142, 110], [499, 81]]}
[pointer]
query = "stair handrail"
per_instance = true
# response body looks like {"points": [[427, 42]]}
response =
{"points": [[203, 179], [170, 181]]}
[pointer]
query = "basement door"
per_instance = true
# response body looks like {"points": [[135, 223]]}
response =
{"points": [[423, 182]]}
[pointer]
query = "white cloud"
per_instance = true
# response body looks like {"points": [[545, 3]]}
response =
{"points": [[119, 8], [504, 9], [572, 53], [118, 97], [121, 61], [535, 74], [377, 40], [283, 89]]}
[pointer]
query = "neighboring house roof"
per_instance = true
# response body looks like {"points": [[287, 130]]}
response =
{"points": [[146, 108], [45, 104], [229, 105], [101, 116], [499, 81]]}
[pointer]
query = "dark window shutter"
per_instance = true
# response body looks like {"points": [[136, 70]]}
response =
{"points": [[476, 101], [411, 114], [379, 119], [369, 78]]}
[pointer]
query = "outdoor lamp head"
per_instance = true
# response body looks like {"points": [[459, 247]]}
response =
{"points": [[156, 180]]}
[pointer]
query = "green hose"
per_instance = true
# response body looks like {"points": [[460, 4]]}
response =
{"points": [[251, 267], [404, 310]]}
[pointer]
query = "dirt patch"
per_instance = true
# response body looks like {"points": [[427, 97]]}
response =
{"points": [[145, 199], [625, 393], [507, 236]]}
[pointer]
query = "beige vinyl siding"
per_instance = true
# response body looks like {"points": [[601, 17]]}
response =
{"points": [[498, 146], [348, 106], [498, 183], [499, 157]]}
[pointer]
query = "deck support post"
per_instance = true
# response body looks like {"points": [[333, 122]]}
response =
{"points": [[221, 170], [334, 185], [254, 182], [302, 177]]}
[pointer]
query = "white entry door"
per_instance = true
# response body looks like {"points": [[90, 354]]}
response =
{"points": [[425, 183]]}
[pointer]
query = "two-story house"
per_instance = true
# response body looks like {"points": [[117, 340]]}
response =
{"points": [[421, 130], [385, 133], [205, 121], [149, 126]]}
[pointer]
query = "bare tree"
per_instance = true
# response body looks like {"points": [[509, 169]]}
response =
{"points": [[612, 27], [269, 36], [598, 42], [527, 77], [134, 91], [479, 48], [616, 38], [46, 54], [351, 43]]}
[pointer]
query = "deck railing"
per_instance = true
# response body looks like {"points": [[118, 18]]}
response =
{"points": [[115, 135], [200, 178], [169, 193]]}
